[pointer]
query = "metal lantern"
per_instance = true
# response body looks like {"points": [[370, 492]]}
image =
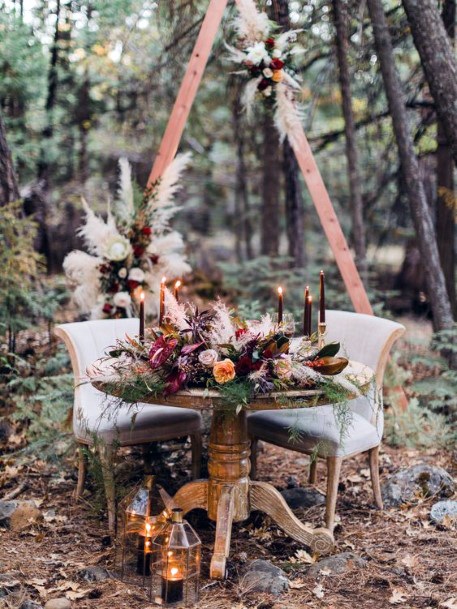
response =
{"points": [[142, 515], [175, 564]]}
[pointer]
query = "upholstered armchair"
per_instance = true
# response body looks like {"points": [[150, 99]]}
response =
{"points": [[366, 339], [92, 424]]}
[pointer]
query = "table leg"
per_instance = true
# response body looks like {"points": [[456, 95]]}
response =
{"points": [[265, 498], [192, 495], [225, 513]]}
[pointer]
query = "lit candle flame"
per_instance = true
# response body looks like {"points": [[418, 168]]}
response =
{"points": [[142, 296], [174, 571], [148, 528], [279, 290], [177, 284], [163, 280]]}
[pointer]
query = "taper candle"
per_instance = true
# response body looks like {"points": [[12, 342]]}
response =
{"points": [[142, 317], [176, 290], [309, 322], [305, 310], [162, 301], [322, 299], [280, 304]]}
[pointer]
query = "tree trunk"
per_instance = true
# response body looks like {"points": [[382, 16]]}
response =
{"points": [[43, 164], [243, 228], [445, 218], [358, 226], [270, 226], [294, 204], [438, 61], [9, 190], [439, 300]]}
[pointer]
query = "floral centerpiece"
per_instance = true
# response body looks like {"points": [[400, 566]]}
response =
{"points": [[131, 250], [215, 349], [266, 58]]}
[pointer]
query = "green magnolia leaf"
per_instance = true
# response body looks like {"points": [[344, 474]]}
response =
{"points": [[329, 350]]}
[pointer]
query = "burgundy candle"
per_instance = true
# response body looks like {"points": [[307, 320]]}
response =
{"points": [[322, 299], [310, 316], [305, 310], [142, 317], [280, 304]]}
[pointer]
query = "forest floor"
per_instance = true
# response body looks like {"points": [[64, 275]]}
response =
{"points": [[409, 562]]}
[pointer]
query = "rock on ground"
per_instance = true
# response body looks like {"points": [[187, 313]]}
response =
{"points": [[93, 573], [420, 480], [442, 509], [28, 604], [58, 603], [262, 576], [341, 563], [303, 497], [18, 515]]}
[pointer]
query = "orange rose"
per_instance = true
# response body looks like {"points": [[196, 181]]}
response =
{"points": [[224, 371], [278, 75]]}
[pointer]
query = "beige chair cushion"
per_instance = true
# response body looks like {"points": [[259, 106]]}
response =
{"points": [[311, 427]]}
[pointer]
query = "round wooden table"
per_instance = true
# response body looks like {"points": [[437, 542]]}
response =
{"points": [[228, 495]]}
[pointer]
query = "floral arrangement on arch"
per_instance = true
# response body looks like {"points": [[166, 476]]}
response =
{"points": [[216, 349], [130, 251], [266, 58]]}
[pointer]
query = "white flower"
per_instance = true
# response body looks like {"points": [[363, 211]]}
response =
{"points": [[122, 300], [277, 53], [257, 53], [122, 272], [267, 92], [136, 274], [268, 73], [117, 248], [208, 358]]}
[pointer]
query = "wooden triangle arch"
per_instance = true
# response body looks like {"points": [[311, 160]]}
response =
{"points": [[301, 147]]}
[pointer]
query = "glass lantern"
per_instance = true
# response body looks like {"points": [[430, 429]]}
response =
{"points": [[175, 564], [142, 515]]}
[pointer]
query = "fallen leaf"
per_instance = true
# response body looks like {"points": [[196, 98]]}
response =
{"points": [[302, 556], [318, 591], [37, 581], [72, 596], [297, 584], [398, 596], [451, 603], [409, 561]]}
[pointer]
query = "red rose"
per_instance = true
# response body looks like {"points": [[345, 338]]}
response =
{"points": [[132, 285], [270, 42], [154, 258], [107, 307], [138, 251], [276, 64], [146, 230], [245, 365]]}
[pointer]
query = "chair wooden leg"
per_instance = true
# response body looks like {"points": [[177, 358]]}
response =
{"points": [[254, 452], [106, 459], [333, 478], [196, 448], [82, 469], [313, 472], [373, 458]]}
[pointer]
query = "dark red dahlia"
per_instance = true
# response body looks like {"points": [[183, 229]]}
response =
{"points": [[245, 365], [107, 308], [276, 64], [132, 285], [154, 258], [146, 230], [263, 84], [138, 251], [270, 42]]}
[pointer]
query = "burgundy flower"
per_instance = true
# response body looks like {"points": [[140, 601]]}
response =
{"points": [[175, 381], [154, 258], [146, 230], [160, 351], [263, 84], [270, 42], [132, 284], [239, 333], [138, 251], [245, 365], [107, 308], [113, 288], [276, 64]]}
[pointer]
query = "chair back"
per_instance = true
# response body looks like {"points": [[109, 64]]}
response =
{"points": [[366, 339], [86, 342]]}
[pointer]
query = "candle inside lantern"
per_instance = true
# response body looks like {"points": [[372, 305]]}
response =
{"points": [[142, 317], [176, 290], [162, 301], [280, 304], [305, 312], [172, 585], [143, 563], [322, 299]]}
